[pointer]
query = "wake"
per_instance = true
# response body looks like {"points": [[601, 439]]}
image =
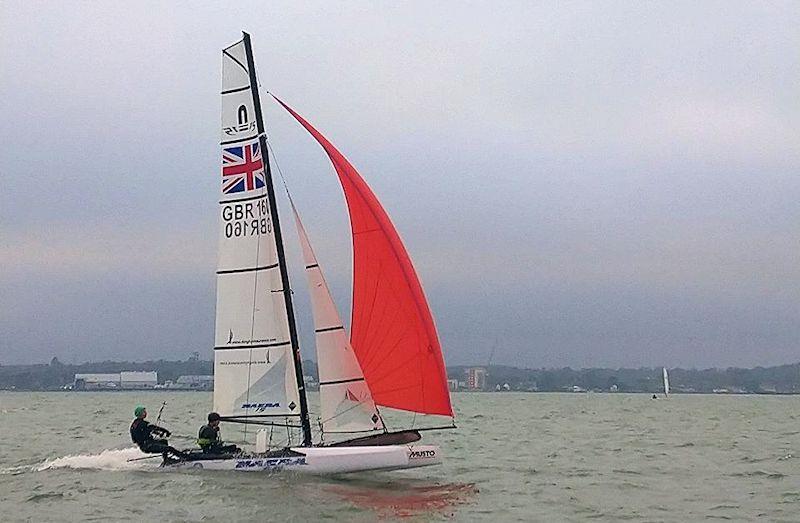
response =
{"points": [[110, 459]]}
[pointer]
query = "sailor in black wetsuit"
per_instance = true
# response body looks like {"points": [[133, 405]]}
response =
{"points": [[208, 438], [142, 434]]}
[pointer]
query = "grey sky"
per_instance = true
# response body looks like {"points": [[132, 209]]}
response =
{"points": [[585, 184]]}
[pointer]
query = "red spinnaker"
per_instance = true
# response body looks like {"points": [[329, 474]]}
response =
{"points": [[392, 331]]}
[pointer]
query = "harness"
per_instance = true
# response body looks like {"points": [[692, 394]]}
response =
{"points": [[205, 441]]}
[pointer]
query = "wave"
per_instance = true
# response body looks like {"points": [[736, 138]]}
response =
{"points": [[45, 497], [109, 459], [627, 471], [758, 473], [13, 471]]}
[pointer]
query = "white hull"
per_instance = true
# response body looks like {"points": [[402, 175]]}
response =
{"points": [[329, 460]]}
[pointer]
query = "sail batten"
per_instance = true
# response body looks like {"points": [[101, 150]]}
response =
{"points": [[392, 329]]}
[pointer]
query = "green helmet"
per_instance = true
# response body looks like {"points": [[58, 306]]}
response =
{"points": [[138, 410]]}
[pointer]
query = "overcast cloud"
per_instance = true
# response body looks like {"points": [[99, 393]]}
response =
{"points": [[584, 184]]}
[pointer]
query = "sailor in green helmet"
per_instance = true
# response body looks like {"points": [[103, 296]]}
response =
{"points": [[142, 434]]}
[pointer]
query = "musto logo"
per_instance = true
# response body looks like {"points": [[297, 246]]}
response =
{"points": [[270, 464], [422, 454]]}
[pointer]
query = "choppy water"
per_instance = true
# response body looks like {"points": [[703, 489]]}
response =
{"points": [[515, 457]]}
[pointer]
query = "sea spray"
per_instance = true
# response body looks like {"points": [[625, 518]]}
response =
{"points": [[110, 459], [15, 470]]}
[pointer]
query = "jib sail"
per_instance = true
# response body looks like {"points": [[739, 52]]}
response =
{"points": [[346, 404]]}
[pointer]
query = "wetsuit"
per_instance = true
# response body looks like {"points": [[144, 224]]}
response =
{"points": [[209, 441], [142, 434]]}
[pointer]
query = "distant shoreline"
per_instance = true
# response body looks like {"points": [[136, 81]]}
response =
{"points": [[465, 392], [777, 380]]}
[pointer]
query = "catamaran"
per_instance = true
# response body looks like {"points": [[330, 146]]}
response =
{"points": [[390, 363]]}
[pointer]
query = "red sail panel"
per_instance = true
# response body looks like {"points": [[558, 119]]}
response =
{"points": [[392, 331]]}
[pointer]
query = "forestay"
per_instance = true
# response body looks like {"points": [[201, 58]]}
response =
{"points": [[254, 373], [345, 401]]}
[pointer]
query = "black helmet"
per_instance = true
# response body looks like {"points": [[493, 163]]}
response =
{"points": [[213, 417]]}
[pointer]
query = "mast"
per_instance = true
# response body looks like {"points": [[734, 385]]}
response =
{"points": [[273, 209]]}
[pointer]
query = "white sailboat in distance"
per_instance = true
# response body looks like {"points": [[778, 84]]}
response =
{"points": [[391, 362], [666, 382]]}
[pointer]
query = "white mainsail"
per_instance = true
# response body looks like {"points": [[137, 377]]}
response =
{"points": [[345, 400], [666, 382], [254, 372]]}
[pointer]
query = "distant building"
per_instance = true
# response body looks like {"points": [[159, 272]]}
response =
{"points": [[95, 381], [138, 380], [123, 380], [452, 385], [476, 378], [198, 382]]}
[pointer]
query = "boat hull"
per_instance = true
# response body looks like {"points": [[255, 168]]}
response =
{"points": [[326, 460]]}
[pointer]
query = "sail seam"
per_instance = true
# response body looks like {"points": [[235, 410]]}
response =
{"points": [[326, 329], [249, 269], [246, 198], [337, 382], [233, 45], [237, 90], [226, 53], [228, 142], [365, 231], [257, 346]]}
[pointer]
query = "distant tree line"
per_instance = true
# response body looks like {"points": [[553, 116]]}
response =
{"points": [[56, 375], [783, 379]]}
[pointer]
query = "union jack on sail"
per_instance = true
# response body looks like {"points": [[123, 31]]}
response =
{"points": [[242, 168]]}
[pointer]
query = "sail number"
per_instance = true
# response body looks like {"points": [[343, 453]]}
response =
{"points": [[246, 219]]}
